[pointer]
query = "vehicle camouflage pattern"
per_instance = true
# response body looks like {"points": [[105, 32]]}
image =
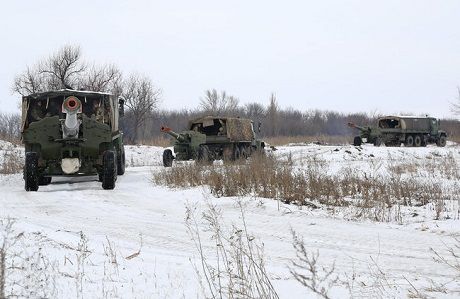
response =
{"points": [[72, 133], [397, 130], [213, 138]]}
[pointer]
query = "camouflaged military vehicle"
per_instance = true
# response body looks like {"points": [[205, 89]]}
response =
{"points": [[396, 130], [72, 133], [213, 138]]}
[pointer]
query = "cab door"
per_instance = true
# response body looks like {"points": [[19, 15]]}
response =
{"points": [[434, 127]]}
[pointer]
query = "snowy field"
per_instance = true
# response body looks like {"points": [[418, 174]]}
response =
{"points": [[132, 242]]}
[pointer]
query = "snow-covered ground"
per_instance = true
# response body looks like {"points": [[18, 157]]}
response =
{"points": [[138, 246]]}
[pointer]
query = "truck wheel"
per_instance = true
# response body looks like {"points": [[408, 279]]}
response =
{"points": [[441, 141], [378, 141], [418, 141], [167, 158], [44, 180], [227, 153], [31, 172], [204, 155], [357, 141], [409, 141], [393, 143], [245, 152], [236, 153], [121, 163], [109, 170]]}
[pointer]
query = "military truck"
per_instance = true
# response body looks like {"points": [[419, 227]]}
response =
{"points": [[72, 133], [396, 130], [213, 138]]}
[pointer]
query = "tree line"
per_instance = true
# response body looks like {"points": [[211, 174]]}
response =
{"points": [[275, 121], [67, 68]]}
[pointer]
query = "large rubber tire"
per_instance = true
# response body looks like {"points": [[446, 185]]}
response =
{"points": [[167, 158], [44, 180], [409, 141], [357, 141], [204, 155], [227, 153], [236, 153], [245, 151], [31, 172], [121, 163], [417, 141], [393, 143], [441, 141], [109, 170]]}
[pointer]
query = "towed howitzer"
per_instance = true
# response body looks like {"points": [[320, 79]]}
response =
{"points": [[67, 141], [71, 107], [408, 130], [355, 126], [212, 138], [370, 134], [169, 131], [186, 145]]}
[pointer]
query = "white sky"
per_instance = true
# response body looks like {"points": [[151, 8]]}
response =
{"points": [[364, 56]]}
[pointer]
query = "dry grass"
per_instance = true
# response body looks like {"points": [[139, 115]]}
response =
{"points": [[12, 162], [239, 268], [378, 197], [321, 139], [162, 141], [454, 138], [23, 274]]}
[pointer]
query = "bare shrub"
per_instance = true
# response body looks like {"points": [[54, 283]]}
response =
{"points": [[452, 260], [306, 270], [23, 273], [239, 267]]}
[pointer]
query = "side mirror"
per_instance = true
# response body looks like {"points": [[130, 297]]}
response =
{"points": [[121, 107]]}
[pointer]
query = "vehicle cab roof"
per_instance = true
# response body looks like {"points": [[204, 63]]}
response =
{"points": [[223, 118], [403, 117], [67, 92]]}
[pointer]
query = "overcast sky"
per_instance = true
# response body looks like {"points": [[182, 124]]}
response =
{"points": [[367, 56]]}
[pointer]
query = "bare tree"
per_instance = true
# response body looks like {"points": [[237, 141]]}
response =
{"points": [[141, 98], [28, 82], [62, 69], [456, 106], [219, 104], [254, 110], [10, 126], [273, 116], [106, 78]]}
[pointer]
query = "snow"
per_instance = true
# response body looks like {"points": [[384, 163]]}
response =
{"points": [[139, 215]]}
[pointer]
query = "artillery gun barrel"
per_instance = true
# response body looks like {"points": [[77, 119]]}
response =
{"points": [[169, 131], [352, 125], [71, 107]]}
